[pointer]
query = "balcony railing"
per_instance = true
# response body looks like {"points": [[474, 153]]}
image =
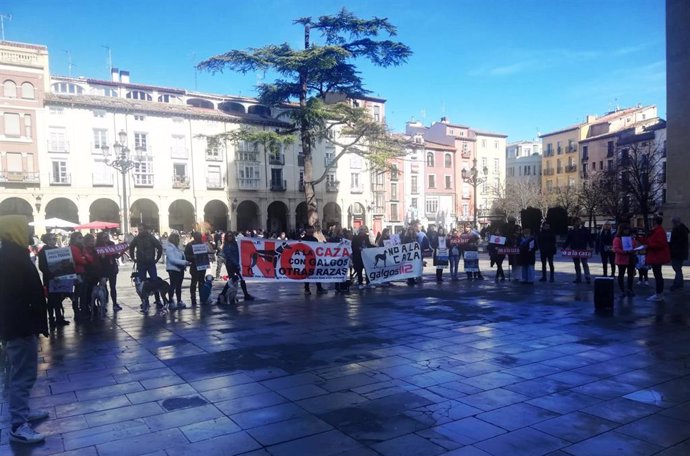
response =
{"points": [[248, 184], [58, 146], [65, 179], [143, 180], [571, 149], [549, 171], [570, 168], [278, 186], [466, 154], [180, 182], [548, 153], [357, 189], [276, 159], [102, 180], [214, 183], [332, 186], [19, 177], [559, 169], [328, 159], [247, 156], [378, 187]]}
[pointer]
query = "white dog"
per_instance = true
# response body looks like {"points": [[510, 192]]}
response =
{"points": [[229, 294], [99, 299]]}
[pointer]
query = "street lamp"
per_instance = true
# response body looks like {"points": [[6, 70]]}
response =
{"points": [[473, 178], [122, 162]]}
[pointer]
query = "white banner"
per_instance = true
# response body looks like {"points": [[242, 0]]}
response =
{"points": [[395, 262], [294, 261]]}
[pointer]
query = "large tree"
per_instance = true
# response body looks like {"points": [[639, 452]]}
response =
{"points": [[316, 76]]}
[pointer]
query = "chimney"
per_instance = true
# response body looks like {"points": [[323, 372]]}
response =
{"points": [[590, 118], [444, 119], [115, 75], [124, 76]]}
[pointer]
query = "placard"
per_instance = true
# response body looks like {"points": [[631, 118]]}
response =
{"points": [[442, 250], [201, 259], [60, 263], [294, 261], [498, 240], [570, 253], [396, 262], [508, 250], [111, 250], [627, 243], [471, 261]]}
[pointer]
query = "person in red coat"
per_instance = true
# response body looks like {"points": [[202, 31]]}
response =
{"points": [[658, 254]]}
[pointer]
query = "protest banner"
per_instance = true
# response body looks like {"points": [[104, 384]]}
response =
{"points": [[395, 262], [471, 261], [60, 263], [294, 261], [508, 250], [110, 250], [201, 259], [570, 253]]}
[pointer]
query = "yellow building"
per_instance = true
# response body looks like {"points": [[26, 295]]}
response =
{"points": [[560, 157]]}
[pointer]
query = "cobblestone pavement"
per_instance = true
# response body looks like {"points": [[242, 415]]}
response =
{"points": [[458, 368]]}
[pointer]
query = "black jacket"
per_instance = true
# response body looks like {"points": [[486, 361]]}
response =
{"points": [[23, 310], [604, 240], [547, 242], [679, 242], [148, 249], [578, 239], [360, 242]]}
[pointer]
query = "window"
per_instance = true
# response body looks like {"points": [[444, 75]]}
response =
{"points": [[413, 202], [449, 182], [394, 212], [377, 113], [108, 92], [330, 179], [301, 179], [213, 176], [143, 173], [139, 95], [430, 159], [465, 209], [448, 161], [215, 153], [100, 139], [394, 190], [12, 125], [483, 142], [394, 172], [277, 178], [139, 117], [464, 147], [56, 111], [549, 185], [99, 114], [249, 172], [601, 165], [485, 187], [178, 149], [10, 89], [179, 171], [57, 140], [141, 141], [497, 166], [413, 184], [102, 173], [354, 182], [14, 162], [431, 206], [28, 91], [496, 144], [59, 172], [432, 181], [67, 87], [28, 126], [166, 98]]}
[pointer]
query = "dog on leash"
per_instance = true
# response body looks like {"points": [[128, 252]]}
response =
{"points": [[229, 294], [99, 299], [146, 288]]}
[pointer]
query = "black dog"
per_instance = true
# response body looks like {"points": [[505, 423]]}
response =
{"points": [[381, 256], [148, 287]]}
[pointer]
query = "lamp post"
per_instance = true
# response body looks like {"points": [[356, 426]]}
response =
{"points": [[123, 163], [473, 178]]}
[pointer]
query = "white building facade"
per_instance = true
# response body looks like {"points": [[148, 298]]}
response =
{"points": [[523, 163]]}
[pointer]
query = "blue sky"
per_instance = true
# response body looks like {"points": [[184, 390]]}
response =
{"points": [[515, 67]]}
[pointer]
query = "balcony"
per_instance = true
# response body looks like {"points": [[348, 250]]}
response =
{"points": [[548, 153], [179, 152], [65, 179], [585, 157], [247, 156], [559, 169], [328, 159], [102, 180], [180, 182], [143, 180], [19, 177], [549, 171], [248, 184], [559, 150], [466, 154], [60, 147], [278, 186], [379, 210], [571, 149], [278, 160], [570, 168], [332, 186], [300, 160], [609, 153], [357, 189], [214, 183]]}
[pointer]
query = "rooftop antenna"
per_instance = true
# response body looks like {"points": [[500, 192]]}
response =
{"points": [[2, 23], [69, 63], [109, 63]]}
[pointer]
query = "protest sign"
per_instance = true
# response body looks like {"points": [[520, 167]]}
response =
{"points": [[294, 261], [471, 261], [570, 253], [442, 250], [394, 240], [508, 250], [61, 286], [201, 260], [395, 262], [110, 250], [498, 240], [627, 243], [60, 263]]}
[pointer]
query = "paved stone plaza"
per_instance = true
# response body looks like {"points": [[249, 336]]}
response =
{"points": [[462, 369]]}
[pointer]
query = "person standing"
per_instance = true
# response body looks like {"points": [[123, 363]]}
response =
{"points": [[658, 254], [145, 250], [82, 259], [623, 247], [109, 267], [439, 243], [309, 237], [408, 237], [604, 247], [679, 251], [175, 264], [579, 238], [23, 317], [197, 277], [527, 256], [231, 252], [546, 242], [359, 242], [56, 313], [454, 253]]}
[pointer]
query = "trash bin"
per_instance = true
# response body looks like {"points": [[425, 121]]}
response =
{"points": [[603, 293]]}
